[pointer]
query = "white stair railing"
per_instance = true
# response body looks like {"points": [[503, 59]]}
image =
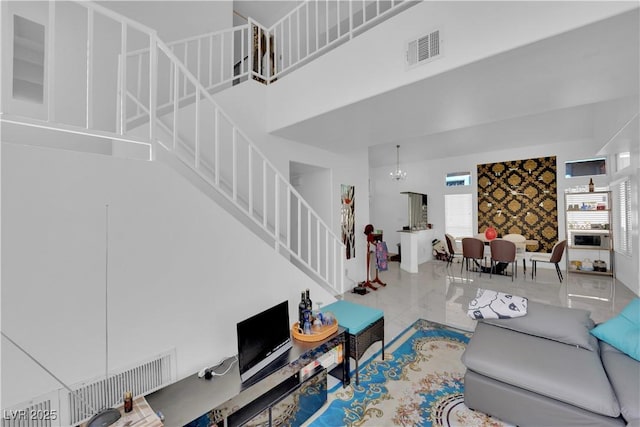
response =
{"points": [[311, 29], [218, 60], [206, 139], [316, 26]]}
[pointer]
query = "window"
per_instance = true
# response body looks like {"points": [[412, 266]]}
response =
{"points": [[622, 218], [457, 178], [458, 214], [586, 167], [623, 160]]}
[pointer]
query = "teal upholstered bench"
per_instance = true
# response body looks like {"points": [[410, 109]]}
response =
{"points": [[365, 325]]}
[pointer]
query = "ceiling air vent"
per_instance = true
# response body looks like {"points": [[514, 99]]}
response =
{"points": [[423, 49]]}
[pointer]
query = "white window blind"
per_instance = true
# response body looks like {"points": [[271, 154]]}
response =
{"points": [[458, 214], [622, 218]]}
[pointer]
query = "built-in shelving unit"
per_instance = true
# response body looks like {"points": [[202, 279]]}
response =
{"points": [[589, 233], [28, 60]]}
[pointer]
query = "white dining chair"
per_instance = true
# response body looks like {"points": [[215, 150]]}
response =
{"points": [[452, 249], [554, 258], [521, 247]]}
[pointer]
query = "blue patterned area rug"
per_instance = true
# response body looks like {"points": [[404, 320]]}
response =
{"points": [[419, 383]]}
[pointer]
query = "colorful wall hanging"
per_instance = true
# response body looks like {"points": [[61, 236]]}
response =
{"points": [[260, 51], [347, 219], [520, 197]]}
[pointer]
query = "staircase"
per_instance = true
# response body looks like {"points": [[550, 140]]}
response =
{"points": [[150, 99], [142, 98]]}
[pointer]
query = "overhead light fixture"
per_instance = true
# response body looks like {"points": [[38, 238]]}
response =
{"points": [[399, 174]]}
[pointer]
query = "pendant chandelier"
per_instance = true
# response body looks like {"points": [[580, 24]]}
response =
{"points": [[399, 174]]}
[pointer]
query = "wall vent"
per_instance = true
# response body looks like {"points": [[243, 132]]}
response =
{"points": [[103, 393], [424, 49]]}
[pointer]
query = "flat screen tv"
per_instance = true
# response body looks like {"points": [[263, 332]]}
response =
{"points": [[262, 339]]}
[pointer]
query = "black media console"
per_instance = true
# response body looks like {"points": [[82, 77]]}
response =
{"points": [[279, 403], [290, 393]]}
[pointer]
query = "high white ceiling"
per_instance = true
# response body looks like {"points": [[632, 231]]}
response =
{"points": [[545, 92], [266, 12]]}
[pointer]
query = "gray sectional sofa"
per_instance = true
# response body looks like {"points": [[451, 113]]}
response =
{"points": [[546, 369]]}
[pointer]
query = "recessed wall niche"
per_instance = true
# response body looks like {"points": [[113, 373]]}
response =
{"points": [[28, 60], [520, 197]]}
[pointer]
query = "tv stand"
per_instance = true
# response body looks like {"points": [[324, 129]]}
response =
{"points": [[311, 390], [279, 363], [269, 400]]}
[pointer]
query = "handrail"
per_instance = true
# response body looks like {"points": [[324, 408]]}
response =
{"points": [[207, 35], [192, 38], [118, 17], [310, 29], [253, 151], [314, 26], [167, 49], [210, 57]]}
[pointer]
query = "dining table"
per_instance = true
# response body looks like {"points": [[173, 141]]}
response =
{"points": [[523, 245]]}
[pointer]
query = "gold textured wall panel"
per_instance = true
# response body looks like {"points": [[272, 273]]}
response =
{"points": [[520, 197]]}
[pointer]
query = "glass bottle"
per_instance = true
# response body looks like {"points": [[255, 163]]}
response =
{"points": [[308, 301], [302, 306], [309, 307], [591, 186], [128, 401]]}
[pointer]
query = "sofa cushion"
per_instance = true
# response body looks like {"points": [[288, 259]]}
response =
{"points": [[568, 325], [566, 373], [623, 331], [624, 375]]}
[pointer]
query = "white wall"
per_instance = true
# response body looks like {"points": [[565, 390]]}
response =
{"points": [[617, 132], [373, 63], [177, 275], [628, 266], [636, 241], [314, 185]]}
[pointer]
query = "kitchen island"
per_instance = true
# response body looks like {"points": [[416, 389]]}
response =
{"points": [[416, 248]]}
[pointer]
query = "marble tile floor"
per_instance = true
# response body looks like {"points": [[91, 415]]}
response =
{"points": [[442, 294]]}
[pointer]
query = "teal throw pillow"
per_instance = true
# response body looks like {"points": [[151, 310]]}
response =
{"points": [[623, 331]]}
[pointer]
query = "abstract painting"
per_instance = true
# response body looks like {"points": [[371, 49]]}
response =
{"points": [[347, 219]]}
